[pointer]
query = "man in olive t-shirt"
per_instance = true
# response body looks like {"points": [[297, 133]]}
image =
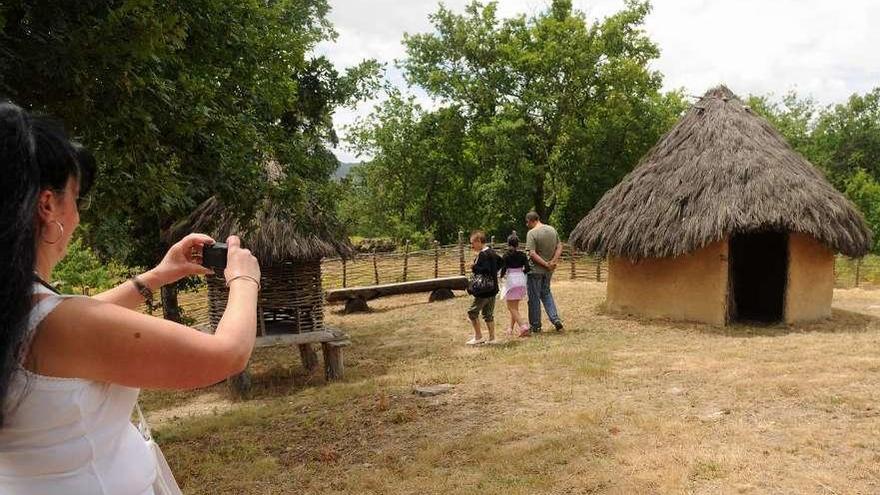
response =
{"points": [[544, 248]]}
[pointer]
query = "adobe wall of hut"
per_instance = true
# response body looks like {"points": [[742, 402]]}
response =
{"points": [[691, 287], [810, 279]]}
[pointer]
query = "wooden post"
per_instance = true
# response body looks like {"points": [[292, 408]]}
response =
{"points": [[240, 384], [356, 305], [598, 269], [440, 295], [333, 365], [170, 306], [309, 357], [344, 273], [436, 259], [858, 271], [375, 267], [405, 259], [460, 252], [572, 253]]}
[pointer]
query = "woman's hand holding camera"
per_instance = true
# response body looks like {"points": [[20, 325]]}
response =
{"points": [[241, 265], [183, 260]]}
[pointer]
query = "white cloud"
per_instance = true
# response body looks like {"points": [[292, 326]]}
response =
{"points": [[818, 47]]}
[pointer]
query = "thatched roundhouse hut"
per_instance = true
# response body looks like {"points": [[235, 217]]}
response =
{"points": [[722, 221], [289, 250]]}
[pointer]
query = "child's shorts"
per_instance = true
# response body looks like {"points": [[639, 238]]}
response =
{"points": [[485, 305]]}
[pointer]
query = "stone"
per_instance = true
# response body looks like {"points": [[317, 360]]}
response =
{"points": [[432, 390], [715, 415]]}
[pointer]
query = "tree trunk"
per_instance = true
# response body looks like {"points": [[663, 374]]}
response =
{"points": [[170, 307], [168, 293], [538, 197]]}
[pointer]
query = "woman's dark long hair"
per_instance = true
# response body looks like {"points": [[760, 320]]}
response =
{"points": [[35, 155]]}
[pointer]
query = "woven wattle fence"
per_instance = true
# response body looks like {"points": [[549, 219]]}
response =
{"points": [[291, 299]]}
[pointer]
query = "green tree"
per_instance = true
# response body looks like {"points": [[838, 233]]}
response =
{"points": [[181, 101], [847, 138], [864, 190], [420, 178], [82, 272], [558, 108]]}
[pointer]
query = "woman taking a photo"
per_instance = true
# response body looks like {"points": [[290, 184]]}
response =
{"points": [[71, 367]]}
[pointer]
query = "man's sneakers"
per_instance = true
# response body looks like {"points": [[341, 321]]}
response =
{"points": [[556, 324], [476, 341]]}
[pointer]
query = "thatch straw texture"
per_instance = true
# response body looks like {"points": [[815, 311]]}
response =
{"points": [[721, 170], [274, 235]]}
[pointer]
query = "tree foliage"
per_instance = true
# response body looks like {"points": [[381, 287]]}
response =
{"points": [[82, 272], [543, 112], [421, 181], [847, 137], [864, 190], [181, 101]]}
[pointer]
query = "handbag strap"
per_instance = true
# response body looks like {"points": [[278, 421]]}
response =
{"points": [[143, 426]]}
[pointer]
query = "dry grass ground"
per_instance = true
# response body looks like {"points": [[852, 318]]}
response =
{"points": [[611, 406]]}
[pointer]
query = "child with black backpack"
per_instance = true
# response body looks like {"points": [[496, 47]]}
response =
{"points": [[484, 287]]}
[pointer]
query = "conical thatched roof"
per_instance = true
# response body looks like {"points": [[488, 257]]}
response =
{"points": [[274, 235], [721, 170]]}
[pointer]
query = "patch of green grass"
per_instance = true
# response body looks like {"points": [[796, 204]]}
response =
{"points": [[706, 470]]}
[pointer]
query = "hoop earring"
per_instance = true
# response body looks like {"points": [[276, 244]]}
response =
{"points": [[60, 235]]}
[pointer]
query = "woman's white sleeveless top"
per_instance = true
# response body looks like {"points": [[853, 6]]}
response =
{"points": [[71, 436]]}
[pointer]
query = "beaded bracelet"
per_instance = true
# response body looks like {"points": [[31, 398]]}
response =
{"points": [[248, 277]]}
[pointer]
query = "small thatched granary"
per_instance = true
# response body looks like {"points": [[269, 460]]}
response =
{"points": [[723, 221], [289, 249]]}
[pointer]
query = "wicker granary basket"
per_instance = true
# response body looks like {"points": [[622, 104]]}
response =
{"points": [[291, 299]]}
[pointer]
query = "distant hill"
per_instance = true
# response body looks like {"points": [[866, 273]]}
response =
{"points": [[344, 169]]}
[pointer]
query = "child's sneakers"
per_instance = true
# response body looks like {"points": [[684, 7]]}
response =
{"points": [[523, 331]]}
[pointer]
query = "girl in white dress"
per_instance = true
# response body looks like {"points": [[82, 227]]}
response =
{"points": [[516, 265]]}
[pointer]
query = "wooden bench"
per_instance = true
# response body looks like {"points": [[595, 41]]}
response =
{"points": [[332, 342], [356, 297]]}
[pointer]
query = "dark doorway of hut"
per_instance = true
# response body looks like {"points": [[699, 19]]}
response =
{"points": [[758, 264]]}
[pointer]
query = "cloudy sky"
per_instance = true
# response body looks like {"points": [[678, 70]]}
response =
{"points": [[823, 48]]}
